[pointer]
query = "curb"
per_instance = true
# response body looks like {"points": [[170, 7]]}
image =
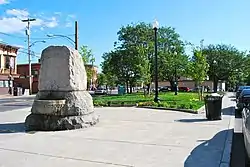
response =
{"points": [[201, 110], [226, 156], [171, 109]]}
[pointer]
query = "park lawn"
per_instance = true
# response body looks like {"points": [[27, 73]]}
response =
{"points": [[167, 100]]}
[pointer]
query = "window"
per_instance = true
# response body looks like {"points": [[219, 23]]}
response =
{"points": [[1, 84], [7, 62]]}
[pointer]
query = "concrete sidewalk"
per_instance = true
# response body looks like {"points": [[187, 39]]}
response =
{"points": [[124, 137]]}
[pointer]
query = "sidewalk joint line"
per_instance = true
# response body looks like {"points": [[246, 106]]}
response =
{"points": [[63, 157]]}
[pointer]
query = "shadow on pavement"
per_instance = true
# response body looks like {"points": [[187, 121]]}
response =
{"points": [[192, 120], [228, 110], [232, 96], [233, 99], [12, 128], [208, 153]]}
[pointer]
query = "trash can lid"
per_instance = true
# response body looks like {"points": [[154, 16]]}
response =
{"points": [[215, 94]]}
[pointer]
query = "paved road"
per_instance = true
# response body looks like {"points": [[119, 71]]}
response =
{"points": [[13, 103], [238, 149]]}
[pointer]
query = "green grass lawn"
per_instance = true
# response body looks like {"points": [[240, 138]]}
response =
{"points": [[167, 100]]}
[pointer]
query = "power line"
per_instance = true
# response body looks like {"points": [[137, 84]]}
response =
{"points": [[35, 38]]}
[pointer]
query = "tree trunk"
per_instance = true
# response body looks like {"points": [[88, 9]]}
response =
{"points": [[148, 88], [130, 86], [172, 84], [215, 85], [127, 86]]}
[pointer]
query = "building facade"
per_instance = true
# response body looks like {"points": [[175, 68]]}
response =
{"points": [[23, 71], [8, 68]]}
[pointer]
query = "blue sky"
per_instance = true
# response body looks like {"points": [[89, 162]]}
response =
{"points": [[215, 21]]}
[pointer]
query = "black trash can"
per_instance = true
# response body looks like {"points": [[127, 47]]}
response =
{"points": [[213, 105]]}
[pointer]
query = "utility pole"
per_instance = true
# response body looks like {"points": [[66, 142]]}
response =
{"points": [[76, 35], [29, 56]]}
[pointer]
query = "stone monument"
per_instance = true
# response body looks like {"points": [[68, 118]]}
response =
{"points": [[63, 102]]}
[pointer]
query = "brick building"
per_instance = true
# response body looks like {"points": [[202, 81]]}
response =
{"points": [[8, 67], [23, 71]]}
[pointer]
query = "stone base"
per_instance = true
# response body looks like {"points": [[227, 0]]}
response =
{"points": [[40, 122]]}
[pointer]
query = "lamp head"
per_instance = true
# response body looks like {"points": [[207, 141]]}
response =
{"points": [[155, 24]]}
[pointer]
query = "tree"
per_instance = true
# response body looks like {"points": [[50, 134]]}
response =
{"points": [[136, 41], [172, 57], [101, 79], [132, 58], [87, 57], [198, 68], [86, 53], [223, 61]]}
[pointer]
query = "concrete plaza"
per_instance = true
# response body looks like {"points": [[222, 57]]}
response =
{"points": [[124, 137]]}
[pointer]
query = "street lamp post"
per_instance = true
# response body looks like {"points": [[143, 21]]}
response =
{"points": [[215, 85], [63, 36], [29, 56], [155, 27], [32, 44], [175, 76]]}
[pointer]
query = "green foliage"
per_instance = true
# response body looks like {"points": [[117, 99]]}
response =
{"points": [[132, 59], [168, 100], [198, 67], [172, 57], [101, 79], [87, 57], [223, 60]]}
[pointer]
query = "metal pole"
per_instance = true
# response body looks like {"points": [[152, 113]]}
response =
{"points": [[175, 78], [76, 35], [92, 74], [29, 59], [29, 56], [156, 99]]}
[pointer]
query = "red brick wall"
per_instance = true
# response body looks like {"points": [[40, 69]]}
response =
{"points": [[23, 70]]}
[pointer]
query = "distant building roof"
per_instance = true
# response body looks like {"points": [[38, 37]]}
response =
{"points": [[7, 45]]}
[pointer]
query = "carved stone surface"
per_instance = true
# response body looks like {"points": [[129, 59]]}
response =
{"points": [[49, 107], [62, 101], [62, 69], [76, 102]]}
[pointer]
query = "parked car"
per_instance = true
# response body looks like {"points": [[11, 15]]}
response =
{"points": [[243, 99], [246, 133], [239, 90], [101, 91], [165, 89], [184, 89]]}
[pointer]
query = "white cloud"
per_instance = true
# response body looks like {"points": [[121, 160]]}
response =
{"points": [[69, 24], [4, 2], [58, 13], [69, 20], [18, 13], [11, 25], [53, 22], [14, 23], [72, 16]]}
